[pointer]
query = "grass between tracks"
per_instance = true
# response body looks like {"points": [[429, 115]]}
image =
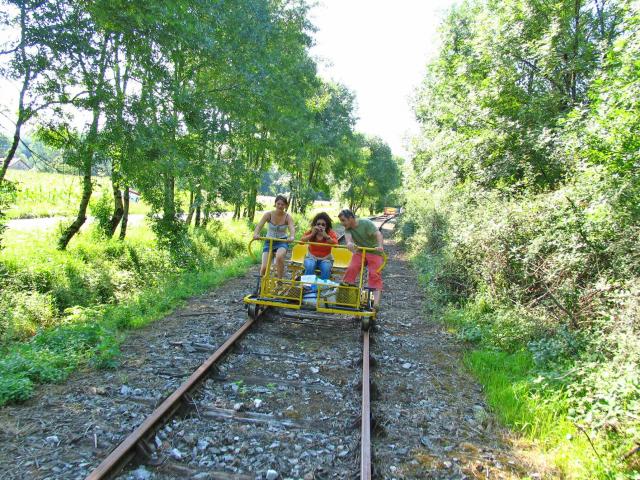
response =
{"points": [[63, 310]]}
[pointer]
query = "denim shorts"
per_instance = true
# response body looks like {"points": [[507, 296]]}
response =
{"points": [[275, 247]]}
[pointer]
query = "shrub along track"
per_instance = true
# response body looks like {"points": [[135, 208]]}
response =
{"points": [[287, 399]]}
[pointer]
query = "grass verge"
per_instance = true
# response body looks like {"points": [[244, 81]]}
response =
{"points": [[541, 414], [91, 336]]}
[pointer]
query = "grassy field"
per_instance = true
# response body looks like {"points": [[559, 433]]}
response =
{"points": [[63, 309], [43, 194]]}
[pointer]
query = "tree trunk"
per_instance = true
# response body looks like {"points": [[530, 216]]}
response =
{"points": [[206, 211], [118, 209], [198, 216], [125, 213], [191, 207], [23, 116], [251, 201], [12, 151], [87, 187], [169, 206]]}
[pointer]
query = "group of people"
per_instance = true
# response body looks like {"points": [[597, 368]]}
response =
{"points": [[358, 232]]}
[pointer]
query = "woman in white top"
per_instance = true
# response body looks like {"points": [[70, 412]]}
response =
{"points": [[278, 222]]}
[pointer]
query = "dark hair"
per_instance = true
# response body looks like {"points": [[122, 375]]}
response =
{"points": [[322, 216], [283, 198], [346, 213]]}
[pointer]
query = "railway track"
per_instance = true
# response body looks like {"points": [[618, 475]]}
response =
{"points": [[273, 384]]}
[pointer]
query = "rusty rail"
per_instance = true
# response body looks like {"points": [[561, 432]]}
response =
{"points": [[124, 452], [365, 439]]}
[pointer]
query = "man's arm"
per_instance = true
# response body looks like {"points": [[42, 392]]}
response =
{"points": [[380, 239], [349, 239]]}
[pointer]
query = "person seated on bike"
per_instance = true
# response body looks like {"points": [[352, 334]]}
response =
{"points": [[278, 221], [362, 232], [319, 256]]}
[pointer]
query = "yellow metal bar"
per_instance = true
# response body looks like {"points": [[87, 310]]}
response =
{"points": [[292, 306], [267, 272], [364, 254], [353, 313]]}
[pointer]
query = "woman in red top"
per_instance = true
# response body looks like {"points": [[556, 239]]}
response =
{"points": [[319, 256]]}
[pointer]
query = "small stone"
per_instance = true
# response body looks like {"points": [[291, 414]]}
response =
{"points": [[137, 392], [141, 474], [480, 414], [271, 475], [175, 454], [52, 440], [447, 464], [202, 444], [124, 390], [257, 403], [406, 365], [314, 369], [235, 387], [237, 406]]}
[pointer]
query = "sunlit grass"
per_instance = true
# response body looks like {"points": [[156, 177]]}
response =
{"points": [[62, 309], [541, 417], [42, 194]]}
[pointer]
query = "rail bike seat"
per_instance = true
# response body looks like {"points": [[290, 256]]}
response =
{"points": [[296, 263], [341, 258]]}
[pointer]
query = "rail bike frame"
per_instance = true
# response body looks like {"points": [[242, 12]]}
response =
{"points": [[352, 300]]}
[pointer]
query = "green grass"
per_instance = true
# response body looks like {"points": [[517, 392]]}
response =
{"points": [[540, 414], [61, 310], [43, 194]]}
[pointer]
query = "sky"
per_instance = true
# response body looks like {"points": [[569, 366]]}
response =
{"points": [[379, 49]]}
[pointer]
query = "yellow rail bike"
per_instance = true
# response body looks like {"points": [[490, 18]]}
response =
{"points": [[307, 292]]}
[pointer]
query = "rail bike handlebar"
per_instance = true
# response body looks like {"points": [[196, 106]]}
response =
{"points": [[286, 240]]}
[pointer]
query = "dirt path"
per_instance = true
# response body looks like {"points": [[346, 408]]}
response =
{"points": [[430, 416]]}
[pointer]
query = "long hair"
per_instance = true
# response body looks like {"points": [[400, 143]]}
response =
{"points": [[322, 216]]}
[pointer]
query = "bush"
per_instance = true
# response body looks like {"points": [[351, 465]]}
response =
{"points": [[102, 210], [7, 197], [23, 313], [554, 275]]}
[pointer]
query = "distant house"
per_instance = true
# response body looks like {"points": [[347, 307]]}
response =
{"points": [[134, 196], [19, 164]]}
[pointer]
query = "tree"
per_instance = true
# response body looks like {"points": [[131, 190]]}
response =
{"points": [[368, 175]]}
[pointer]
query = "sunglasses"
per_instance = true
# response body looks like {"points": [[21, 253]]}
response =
{"points": [[322, 224]]}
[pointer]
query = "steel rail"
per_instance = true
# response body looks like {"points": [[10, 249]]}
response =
{"points": [[365, 438], [124, 452]]}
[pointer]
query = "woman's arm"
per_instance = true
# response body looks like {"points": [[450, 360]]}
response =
{"points": [[292, 229], [331, 237], [258, 229], [307, 236]]}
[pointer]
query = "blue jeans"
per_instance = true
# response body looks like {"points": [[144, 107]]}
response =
{"points": [[310, 265]]}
